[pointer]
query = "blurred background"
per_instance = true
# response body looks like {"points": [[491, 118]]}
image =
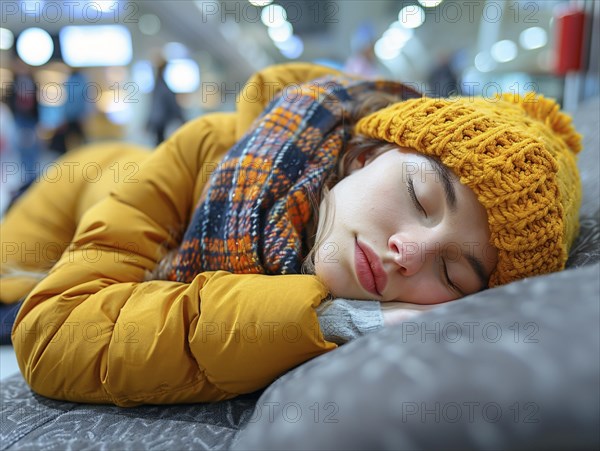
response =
{"points": [[82, 71]]}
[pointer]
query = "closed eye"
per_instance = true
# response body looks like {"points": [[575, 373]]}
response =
{"points": [[451, 286], [413, 196]]}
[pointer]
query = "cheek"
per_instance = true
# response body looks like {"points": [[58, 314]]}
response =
{"points": [[435, 296], [332, 276], [425, 292], [379, 203]]}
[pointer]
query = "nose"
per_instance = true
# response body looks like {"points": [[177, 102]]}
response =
{"points": [[406, 255]]}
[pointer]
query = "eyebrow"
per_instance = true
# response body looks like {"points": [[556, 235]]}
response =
{"points": [[446, 176]]}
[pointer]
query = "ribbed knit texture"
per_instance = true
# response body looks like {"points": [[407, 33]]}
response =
{"points": [[254, 216], [518, 154], [343, 320]]}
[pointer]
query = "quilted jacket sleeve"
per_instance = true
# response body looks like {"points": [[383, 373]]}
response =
{"points": [[39, 227], [94, 331]]}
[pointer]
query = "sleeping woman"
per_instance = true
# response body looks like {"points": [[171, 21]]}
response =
{"points": [[250, 242]]}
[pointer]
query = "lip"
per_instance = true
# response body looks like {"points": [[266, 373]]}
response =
{"points": [[369, 269]]}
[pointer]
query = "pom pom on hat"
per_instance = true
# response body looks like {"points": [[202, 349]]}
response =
{"points": [[517, 153]]}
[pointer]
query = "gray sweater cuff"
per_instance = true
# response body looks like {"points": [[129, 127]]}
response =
{"points": [[342, 320]]}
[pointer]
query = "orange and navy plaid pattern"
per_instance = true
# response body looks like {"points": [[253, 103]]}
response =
{"points": [[254, 216]]}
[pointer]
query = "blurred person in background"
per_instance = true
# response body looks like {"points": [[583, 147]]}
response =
{"points": [[8, 145], [442, 79], [8, 133], [22, 98], [362, 61], [164, 107], [71, 132]]}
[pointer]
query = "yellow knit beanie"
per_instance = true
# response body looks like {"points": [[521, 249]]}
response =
{"points": [[517, 153]]}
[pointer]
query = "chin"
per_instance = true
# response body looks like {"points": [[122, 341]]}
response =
{"points": [[345, 291]]}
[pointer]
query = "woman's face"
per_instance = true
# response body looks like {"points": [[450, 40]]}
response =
{"points": [[402, 227]]}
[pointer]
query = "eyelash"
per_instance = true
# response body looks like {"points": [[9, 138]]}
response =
{"points": [[447, 280], [413, 196], [418, 206]]}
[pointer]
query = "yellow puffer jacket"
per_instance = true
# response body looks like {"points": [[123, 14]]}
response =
{"points": [[94, 331]]}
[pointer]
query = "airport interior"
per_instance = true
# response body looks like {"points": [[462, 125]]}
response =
{"points": [[211, 48], [81, 73]]}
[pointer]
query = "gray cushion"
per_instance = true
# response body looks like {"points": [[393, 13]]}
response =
{"points": [[586, 120], [586, 249], [30, 421], [515, 367]]}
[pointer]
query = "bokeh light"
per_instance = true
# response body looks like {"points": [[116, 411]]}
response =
{"points": [[35, 46]]}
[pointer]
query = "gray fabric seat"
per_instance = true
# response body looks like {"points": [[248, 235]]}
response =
{"points": [[30, 421]]}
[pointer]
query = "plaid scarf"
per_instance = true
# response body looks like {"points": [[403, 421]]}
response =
{"points": [[254, 216]]}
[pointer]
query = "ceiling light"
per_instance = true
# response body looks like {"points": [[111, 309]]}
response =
{"points": [[291, 48], [430, 3], [182, 75], [149, 24], [533, 38], [411, 16], [385, 50], [273, 15], [260, 2], [6, 39], [35, 46], [397, 36], [96, 45], [281, 33], [484, 62], [504, 51]]}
